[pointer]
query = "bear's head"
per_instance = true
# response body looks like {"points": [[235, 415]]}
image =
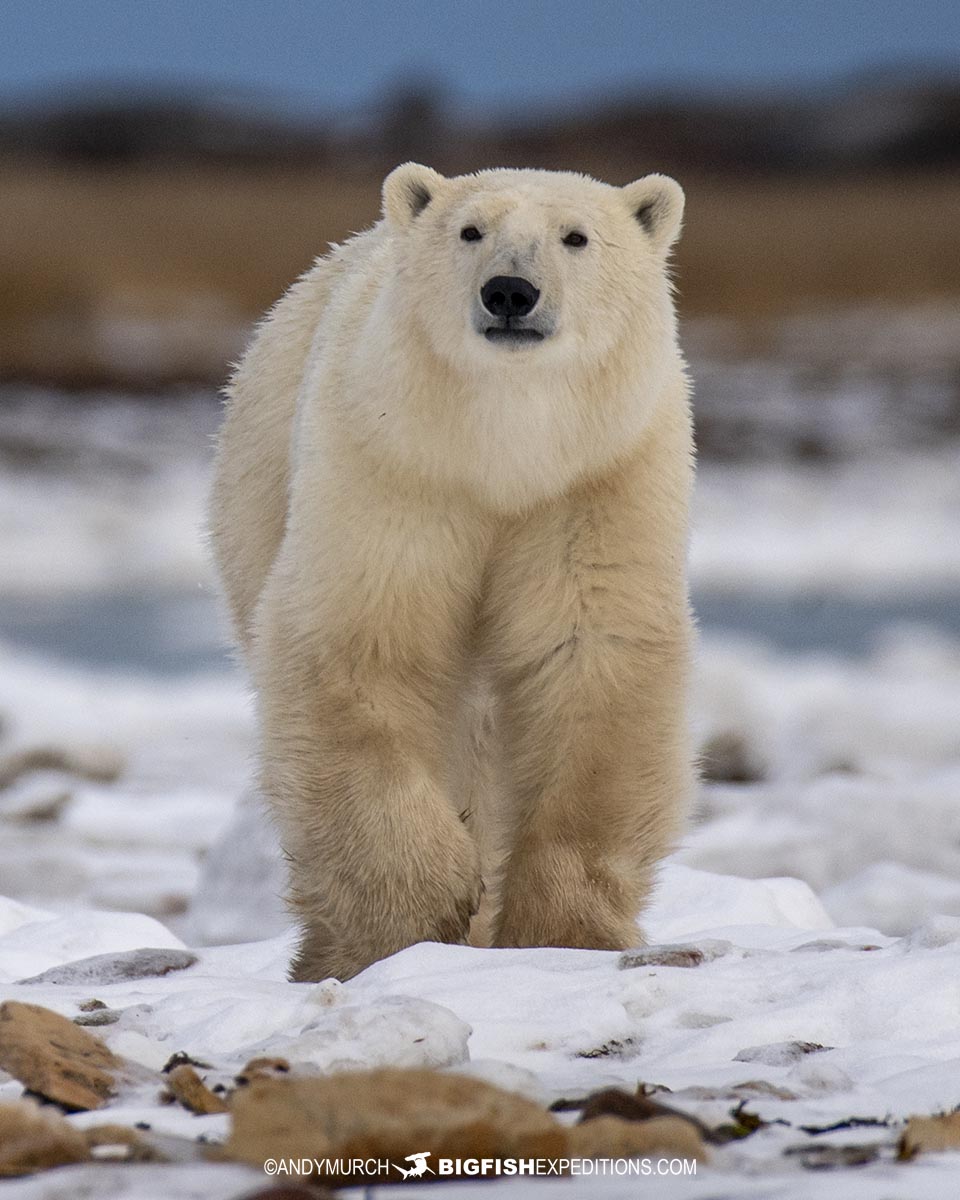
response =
{"points": [[507, 267]]}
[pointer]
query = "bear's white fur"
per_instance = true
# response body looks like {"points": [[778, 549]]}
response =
{"points": [[454, 559]]}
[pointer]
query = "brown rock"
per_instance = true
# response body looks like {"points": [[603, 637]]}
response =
{"points": [[54, 1058], [613, 1137], [762, 1089], [110, 1143], [98, 763], [262, 1068], [187, 1086], [387, 1113], [630, 1106], [391, 1113], [633, 1106], [33, 1139], [930, 1133]]}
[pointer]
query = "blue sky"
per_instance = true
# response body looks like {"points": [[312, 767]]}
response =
{"points": [[322, 55]]}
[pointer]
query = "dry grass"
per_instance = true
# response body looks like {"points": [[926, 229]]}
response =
{"points": [[760, 249], [85, 254]]}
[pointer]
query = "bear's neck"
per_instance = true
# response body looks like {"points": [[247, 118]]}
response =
{"points": [[514, 439]]}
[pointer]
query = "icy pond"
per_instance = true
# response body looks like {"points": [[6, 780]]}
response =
{"points": [[180, 631]]}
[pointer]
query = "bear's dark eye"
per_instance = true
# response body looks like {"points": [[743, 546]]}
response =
{"points": [[576, 238], [470, 233]]}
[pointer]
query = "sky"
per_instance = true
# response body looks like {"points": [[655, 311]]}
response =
{"points": [[317, 56]]}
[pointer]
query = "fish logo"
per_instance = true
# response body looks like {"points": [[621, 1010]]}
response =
{"points": [[419, 1168]]}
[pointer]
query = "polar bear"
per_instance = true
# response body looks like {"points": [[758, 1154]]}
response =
{"points": [[450, 518]]}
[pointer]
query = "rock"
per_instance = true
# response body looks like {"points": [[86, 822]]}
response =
{"points": [[614, 1137], [923, 1134], [97, 763], [387, 1113], [395, 1031], [727, 757], [50, 1056], [821, 945], [830, 1156], [104, 1016], [679, 954], [180, 1058], [262, 1068], [779, 1054], [42, 797], [761, 1089], [118, 1143], [187, 1087], [633, 1106], [614, 1048], [146, 963], [34, 1139]]}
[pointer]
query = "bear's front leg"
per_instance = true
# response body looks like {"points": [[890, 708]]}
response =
{"points": [[590, 634], [358, 682]]}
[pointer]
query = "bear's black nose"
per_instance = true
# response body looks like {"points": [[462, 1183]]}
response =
{"points": [[509, 296]]}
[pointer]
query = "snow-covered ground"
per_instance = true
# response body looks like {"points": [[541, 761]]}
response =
{"points": [[811, 1025], [823, 887], [102, 495], [855, 769]]}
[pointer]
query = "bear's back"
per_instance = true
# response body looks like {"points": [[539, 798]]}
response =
{"points": [[249, 499]]}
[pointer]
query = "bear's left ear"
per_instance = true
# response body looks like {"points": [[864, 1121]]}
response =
{"points": [[407, 191], [656, 202]]}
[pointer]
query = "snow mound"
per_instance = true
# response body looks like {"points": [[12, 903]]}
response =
{"points": [[814, 1023], [35, 946], [690, 903]]}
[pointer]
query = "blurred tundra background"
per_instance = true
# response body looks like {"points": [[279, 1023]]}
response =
{"points": [[167, 170]]}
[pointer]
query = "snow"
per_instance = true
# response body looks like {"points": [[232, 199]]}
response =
{"points": [[887, 524], [118, 491], [121, 490], [559, 1023], [139, 1182], [784, 962], [824, 894], [184, 746], [37, 945]]}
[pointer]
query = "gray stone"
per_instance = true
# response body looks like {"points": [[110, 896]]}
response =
{"points": [[146, 963]]}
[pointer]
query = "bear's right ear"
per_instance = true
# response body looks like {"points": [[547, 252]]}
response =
{"points": [[407, 191]]}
